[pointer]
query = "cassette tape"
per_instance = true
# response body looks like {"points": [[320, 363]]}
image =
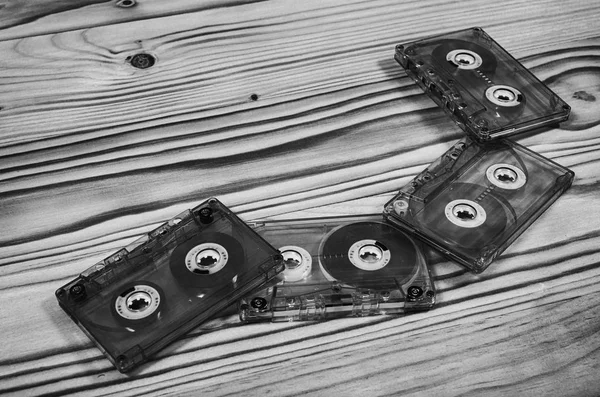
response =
{"points": [[141, 298], [485, 90], [476, 199], [336, 267]]}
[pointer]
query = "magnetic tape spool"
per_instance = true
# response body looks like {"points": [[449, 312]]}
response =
{"points": [[507, 177], [207, 262], [506, 103], [468, 215], [298, 263], [138, 304], [459, 57], [369, 255]]}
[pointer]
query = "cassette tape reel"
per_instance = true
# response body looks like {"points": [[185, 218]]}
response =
{"points": [[476, 199], [336, 267], [482, 87], [161, 286]]}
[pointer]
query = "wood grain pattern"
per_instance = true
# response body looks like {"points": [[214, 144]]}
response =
{"points": [[94, 152], [23, 19]]}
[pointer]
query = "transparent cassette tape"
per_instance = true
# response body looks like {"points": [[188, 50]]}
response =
{"points": [[337, 267], [476, 199], [487, 92], [143, 297]]}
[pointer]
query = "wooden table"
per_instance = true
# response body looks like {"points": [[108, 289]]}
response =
{"points": [[282, 109]]}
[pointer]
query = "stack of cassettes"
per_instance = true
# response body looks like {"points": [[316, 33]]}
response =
{"points": [[470, 204]]}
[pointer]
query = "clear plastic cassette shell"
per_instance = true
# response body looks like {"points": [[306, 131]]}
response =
{"points": [[476, 199], [161, 286], [487, 92], [342, 266]]}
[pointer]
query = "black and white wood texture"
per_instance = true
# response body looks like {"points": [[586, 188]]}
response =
{"points": [[282, 109]]}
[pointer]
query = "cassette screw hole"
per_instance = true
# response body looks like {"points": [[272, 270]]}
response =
{"points": [[139, 301], [258, 303], [254, 97], [122, 362], [142, 61], [206, 215], [414, 292], [77, 292], [505, 175], [464, 212], [370, 253], [430, 294]]}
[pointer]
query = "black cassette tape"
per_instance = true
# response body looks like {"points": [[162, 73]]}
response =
{"points": [[336, 267], [482, 87], [161, 286], [476, 199]]}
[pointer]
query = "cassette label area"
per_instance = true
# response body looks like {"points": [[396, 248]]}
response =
{"points": [[335, 267], [482, 87], [161, 286], [476, 199]]}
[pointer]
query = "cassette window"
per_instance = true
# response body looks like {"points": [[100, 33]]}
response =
{"points": [[336, 267], [486, 91], [476, 199], [146, 295]]}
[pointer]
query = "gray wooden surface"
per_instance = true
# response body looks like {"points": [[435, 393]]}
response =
{"points": [[94, 153]]}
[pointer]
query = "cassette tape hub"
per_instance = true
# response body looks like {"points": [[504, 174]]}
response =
{"points": [[476, 199], [486, 91], [345, 266], [138, 300]]}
